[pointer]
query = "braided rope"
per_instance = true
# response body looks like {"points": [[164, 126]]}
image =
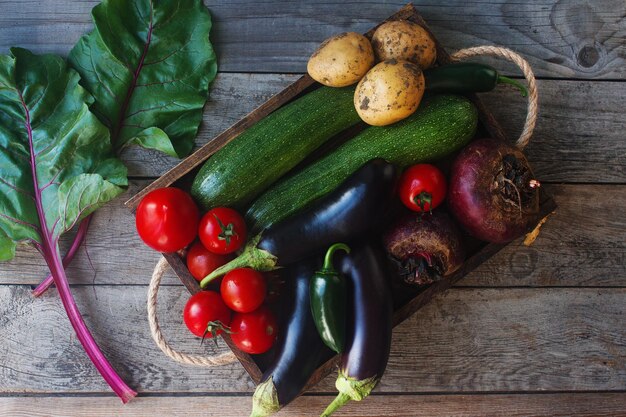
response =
{"points": [[531, 115], [157, 335]]}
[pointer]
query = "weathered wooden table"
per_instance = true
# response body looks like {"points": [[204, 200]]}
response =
{"points": [[537, 330]]}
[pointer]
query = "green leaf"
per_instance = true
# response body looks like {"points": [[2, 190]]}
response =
{"points": [[7, 247], [148, 64], [56, 160], [154, 138]]}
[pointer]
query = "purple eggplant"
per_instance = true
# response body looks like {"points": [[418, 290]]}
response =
{"points": [[300, 348], [370, 312], [349, 212]]}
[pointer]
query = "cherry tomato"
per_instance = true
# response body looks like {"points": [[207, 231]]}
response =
{"points": [[206, 315], [422, 187], [254, 332], [243, 290], [201, 262], [167, 219], [222, 230]]}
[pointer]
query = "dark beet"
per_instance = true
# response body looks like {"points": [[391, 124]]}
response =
{"points": [[492, 191], [424, 247]]}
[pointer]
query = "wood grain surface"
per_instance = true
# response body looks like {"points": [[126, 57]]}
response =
{"points": [[561, 38], [477, 405], [534, 331], [467, 340]]}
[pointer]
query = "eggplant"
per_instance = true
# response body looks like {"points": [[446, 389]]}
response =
{"points": [[370, 313], [351, 210], [299, 346]]}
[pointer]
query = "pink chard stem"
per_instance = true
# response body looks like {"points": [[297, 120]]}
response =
{"points": [[84, 335], [50, 251], [69, 256]]}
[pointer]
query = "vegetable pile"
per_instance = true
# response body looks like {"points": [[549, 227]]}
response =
{"points": [[378, 212], [144, 72]]}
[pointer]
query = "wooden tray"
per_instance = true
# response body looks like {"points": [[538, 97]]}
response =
{"points": [[183, 173]]}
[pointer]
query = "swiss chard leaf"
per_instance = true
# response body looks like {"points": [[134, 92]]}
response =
{"points": [[148, 64], [56, 167], [56, 160]]}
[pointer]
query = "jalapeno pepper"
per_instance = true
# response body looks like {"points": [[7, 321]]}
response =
{"points": [[328, 294], [466, 77]]}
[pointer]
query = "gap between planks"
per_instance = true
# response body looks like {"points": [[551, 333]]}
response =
{"points": [[491, 405]]}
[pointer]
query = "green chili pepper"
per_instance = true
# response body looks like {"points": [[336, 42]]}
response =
{"points": [[466, 78], [328, 294]]}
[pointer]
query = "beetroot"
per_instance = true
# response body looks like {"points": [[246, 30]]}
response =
{"points": [[492, 191], [424, 247]]}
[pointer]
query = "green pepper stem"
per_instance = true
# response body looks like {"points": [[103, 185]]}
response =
{"points": [[339, 401], [506, 80], [328, 259]]}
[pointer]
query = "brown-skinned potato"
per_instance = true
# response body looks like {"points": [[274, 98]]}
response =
{"points": [[401, 39], [389, 92], [341, 60]]}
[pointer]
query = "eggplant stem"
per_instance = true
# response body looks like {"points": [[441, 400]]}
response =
{"points": [[251, 257], [265, 400], [350, 389], [339, 401]]}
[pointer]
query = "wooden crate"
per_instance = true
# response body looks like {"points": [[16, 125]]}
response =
{"points": [[182, 175]]}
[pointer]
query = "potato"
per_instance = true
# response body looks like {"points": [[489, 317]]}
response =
{"points": [[401, 39], [389, 92], [341, 60]]}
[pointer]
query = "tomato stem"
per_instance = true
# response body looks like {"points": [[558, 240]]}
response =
{"points": [[422, 199], [212, 328], [227, 231]]}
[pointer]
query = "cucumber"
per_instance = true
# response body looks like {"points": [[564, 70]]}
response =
{"points": [[250, 163], [441, 125]]}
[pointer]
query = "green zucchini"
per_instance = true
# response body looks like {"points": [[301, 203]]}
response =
{"points": [[250, 163], [441, 125]]}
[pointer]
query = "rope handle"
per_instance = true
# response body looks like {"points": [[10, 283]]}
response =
{"points": [[228, 357], [155, 330], [532, 109]]}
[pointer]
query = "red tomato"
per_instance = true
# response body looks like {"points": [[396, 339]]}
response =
{"points": [[205, 314], [243, 290], [167, 219], [422, 187], [201, 262], [254, 332], [222, 230]]}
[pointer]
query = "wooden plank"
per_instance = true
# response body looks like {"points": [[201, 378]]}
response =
{"points": [[590, 253], [481, 405], [582, 244], [576, 140], [574, 38], [465, 340]]}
